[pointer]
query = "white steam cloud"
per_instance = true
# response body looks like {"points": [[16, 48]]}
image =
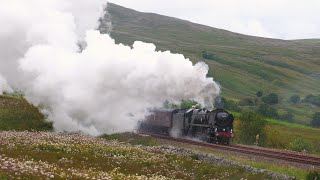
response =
{"points": [[104, 88]]}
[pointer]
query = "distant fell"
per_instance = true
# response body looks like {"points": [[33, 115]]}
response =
{"points": [[242, 64]]}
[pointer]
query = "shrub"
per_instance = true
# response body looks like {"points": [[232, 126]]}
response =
{"points": [[169, 105], [314, 175], [195, 156], [312, 99], [248, 102], [144, 141], [184, 104], [267, 111], [115, 136], [274, 138], [295, 99], [252, 124], [271, 99], [208, 55], [227, 104], [287, 117], [300, 145], [259, 93], [316, 120], [232, 106], [188, 104]]}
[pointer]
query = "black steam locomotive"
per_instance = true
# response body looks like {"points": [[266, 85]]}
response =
{"points": [[214, 126]]}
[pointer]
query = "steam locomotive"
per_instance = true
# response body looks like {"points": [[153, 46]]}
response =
{"points": [[214, 126]]}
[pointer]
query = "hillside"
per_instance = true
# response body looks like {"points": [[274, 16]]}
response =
{"points": [[242, 64], [16, 113]]}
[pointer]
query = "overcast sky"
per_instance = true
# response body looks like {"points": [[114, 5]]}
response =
{"points": [[284, 19]]}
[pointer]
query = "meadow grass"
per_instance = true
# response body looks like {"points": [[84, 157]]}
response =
{"points": [[132, 139], [288, 170], [79, 157]]}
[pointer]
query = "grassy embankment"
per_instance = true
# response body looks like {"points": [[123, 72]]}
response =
{"points": [[17, 114]]}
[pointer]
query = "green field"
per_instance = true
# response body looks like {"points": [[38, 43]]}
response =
{"points": [[242, 64]]}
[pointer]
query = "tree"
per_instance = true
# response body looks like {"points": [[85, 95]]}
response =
{"points": [[169, 105], [295, 99], [287, 117], [223, 103], [316, 120], [188, 104], [232, 106], [208, 55], [312, 99], [252, 124], [259, 93], [267, 111], [271, 99]]}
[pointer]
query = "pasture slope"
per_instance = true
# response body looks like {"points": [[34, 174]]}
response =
{"points": [[242, 64]]}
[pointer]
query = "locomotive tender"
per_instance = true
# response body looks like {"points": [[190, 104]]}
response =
{"points": [[214, 126]]}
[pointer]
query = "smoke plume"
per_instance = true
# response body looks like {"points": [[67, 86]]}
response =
{"points": [[104, 88]]}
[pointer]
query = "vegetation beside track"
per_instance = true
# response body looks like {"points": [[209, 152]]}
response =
{"points": [[290, 170], [42, 155], [285, 135]]}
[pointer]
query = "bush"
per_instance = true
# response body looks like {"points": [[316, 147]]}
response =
{"points": [[267, 111], [315, 100], [248, 101], [208, 55], [169, 105], [227, 104], [274, 138], [232, 106], [194, 156], [259, 93], [271, 99], [188, 104], [314, 175], [300, 145], [184, 104], [287, 117], [295, 99], [144, 141], [252, 124], [316, 120], [115, 136]]}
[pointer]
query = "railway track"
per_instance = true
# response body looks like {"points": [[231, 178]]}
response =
{"points": [[290, 157]]}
